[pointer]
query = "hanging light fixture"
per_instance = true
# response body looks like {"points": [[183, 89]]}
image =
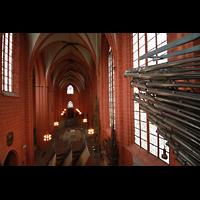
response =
{"points": [[90, 131], [79, 111], [56, 123], [47, 137]]}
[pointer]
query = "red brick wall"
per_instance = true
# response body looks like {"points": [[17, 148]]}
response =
{"points": [[122, 54], [103, 89], [14, 111], [42, 103], [123, 60], [124, 108]]}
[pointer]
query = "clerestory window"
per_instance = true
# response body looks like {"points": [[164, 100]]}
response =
{"points": [[70, 89], [7, 61]]}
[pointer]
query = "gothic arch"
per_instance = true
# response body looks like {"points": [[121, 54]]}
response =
{"points": [[70, 104], [11, 159]]}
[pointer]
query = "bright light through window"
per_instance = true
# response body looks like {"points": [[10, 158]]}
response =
{"points": [[70, 104], [70, 89], [6, 61], [145, 130], [111, 81]]}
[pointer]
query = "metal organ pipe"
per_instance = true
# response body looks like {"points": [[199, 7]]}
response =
{"points": [[172, 102]]}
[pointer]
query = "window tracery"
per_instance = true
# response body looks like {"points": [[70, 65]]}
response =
{"points": [[111, 84]]}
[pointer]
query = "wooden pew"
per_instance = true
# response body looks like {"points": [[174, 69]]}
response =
{"points": [[68, 160], [84, 159], [53, 161]]}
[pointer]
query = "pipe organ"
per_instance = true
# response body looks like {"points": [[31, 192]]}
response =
{"points": [[169, 93]]}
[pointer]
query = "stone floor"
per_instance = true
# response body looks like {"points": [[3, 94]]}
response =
{"points": [[76, 138]]}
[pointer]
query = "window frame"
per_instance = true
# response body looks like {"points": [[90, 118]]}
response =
{"points": [[137, 52], [70, 87], [7, 40], [70, 104], [111, 88]]}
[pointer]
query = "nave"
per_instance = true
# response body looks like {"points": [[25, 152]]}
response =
{"points": [[144, 86], [61, 143]]}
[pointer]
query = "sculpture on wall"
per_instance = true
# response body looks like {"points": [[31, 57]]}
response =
{"points": [[111, 147]]}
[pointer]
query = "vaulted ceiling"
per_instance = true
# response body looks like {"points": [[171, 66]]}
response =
{"points": [[69, 58]]}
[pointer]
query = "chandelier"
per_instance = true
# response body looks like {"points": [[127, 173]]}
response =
{"points": [[90, 131], [47, 137]]}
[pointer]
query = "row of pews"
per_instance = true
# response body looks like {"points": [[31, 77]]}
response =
{"points": [[70, 158]]}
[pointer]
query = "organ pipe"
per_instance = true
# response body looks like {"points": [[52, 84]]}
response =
{"points": [[171, 98]]}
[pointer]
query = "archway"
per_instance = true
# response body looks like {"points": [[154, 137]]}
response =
{"points": [[11, 159], [70, 110]]}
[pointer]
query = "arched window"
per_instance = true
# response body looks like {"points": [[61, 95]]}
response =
{"points": [[145, 132], [6, 59], [70, 104], [70, 89], [111, 80]]}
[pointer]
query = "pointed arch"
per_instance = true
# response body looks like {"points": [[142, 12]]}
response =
{"points": [[70, 89], [70, 104]]}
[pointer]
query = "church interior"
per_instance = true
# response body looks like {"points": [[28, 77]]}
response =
{"points": [[100, 99]]}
